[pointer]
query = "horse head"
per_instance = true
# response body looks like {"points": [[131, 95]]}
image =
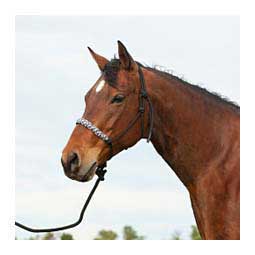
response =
{"points": [[109, 122]]}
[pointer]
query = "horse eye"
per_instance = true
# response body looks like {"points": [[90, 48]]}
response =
{"points": [[117, 99]]}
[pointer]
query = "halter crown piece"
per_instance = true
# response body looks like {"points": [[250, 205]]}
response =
{"points": [[143, 95]]}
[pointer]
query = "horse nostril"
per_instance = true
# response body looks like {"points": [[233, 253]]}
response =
{"points": [[73, 159], [70, 162]]}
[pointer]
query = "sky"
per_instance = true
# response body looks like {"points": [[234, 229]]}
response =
{"points": [[54, 70]]}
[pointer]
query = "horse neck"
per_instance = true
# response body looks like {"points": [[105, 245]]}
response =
{"points": [[186, 126]]}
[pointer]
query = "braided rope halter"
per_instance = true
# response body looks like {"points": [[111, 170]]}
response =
{"points": [[87, 124], [143, 95], [100, 171]]}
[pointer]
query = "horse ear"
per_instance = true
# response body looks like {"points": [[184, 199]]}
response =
{"points": [[126, 60], [101, 61]]}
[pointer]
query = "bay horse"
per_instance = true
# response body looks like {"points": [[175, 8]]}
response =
{"points": [[196, 132]]}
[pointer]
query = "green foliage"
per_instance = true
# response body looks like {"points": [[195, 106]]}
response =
{"points": [[176, 236], [194, 235], [37, 237], [49, 236], [66, 236], [130, 234], [106, 235]]}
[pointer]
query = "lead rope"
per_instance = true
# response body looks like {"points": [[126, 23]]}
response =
{"points": [[100, 172]]}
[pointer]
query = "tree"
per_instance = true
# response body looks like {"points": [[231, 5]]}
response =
{"points": [[194, 235], [106, 235], [176, 236], [49, 236], [66, 236], [130, 234], [37, 237]]}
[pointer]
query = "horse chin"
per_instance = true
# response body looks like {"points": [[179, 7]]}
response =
{"points": [[86, 177], [89, 175]]}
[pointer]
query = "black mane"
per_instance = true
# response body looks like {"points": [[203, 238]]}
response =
{"points": [[111, 70]]}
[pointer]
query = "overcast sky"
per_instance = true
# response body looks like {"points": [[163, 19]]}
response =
{"points": [[53, 72]]}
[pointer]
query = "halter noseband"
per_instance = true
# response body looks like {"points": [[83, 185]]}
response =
{"points": [[87, 124], [100, 169], [143, 95]]}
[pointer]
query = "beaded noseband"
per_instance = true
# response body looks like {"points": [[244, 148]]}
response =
{"points": [[87, 124], [100, 169], [143, 95]]}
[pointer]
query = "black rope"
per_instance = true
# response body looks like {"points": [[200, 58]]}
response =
{"points": [[100, 173], [151, 119], [144, 95], [100, 170]]}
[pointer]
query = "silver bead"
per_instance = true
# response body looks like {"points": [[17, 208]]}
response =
{"points": [[93, 128]]}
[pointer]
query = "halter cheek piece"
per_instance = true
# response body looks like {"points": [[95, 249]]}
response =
{"points": [[143, 95]]}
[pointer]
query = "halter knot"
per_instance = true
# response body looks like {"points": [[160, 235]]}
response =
{"points": [[100, 172], [143, 93]]}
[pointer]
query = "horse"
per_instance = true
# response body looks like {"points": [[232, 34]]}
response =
{"points": [[195, 131]]}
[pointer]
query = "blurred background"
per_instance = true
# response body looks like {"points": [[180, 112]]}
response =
{"points": [[141, 197]]}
